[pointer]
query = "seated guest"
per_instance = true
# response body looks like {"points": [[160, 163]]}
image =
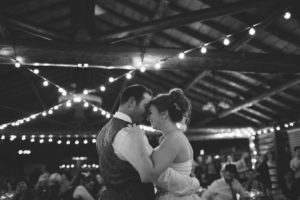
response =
{"points": [[23, 192], [78, 188], [225, 188]]}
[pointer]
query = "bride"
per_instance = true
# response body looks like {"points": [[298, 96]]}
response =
{"points": [[166, 113]]}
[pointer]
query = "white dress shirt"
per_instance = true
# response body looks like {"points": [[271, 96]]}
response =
{"points": [[220, 190], [122, 143]]}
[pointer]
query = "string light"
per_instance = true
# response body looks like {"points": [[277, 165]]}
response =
{"points": [[30, 117], [77, 99], [45, 83], [128, 76], [157, 65], [226, 41], [203, 50], [252, 31], [181, 56], [85, 92], [102, 88], [142, 69], [68, 104], [17, 64], [111, 79], [36, 71], [287, 15]]}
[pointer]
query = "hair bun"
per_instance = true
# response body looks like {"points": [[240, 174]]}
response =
{"points": [[176, 94]]}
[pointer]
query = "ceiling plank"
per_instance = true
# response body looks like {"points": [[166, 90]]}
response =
{"points": [[255, 100], [195, 80], [178, 20], [255, 121]]}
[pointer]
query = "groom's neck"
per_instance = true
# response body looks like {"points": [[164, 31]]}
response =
{"points": [[126, 111]]}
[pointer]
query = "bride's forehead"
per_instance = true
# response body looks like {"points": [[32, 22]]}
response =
{"points": [[146, 98]]}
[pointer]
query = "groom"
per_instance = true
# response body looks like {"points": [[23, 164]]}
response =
{"points": [[119, 166]]}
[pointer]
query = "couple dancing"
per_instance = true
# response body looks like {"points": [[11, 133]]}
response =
{"points": [[130, 167]]}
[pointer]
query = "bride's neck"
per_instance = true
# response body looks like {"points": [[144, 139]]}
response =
{"points": [[169, 128]]}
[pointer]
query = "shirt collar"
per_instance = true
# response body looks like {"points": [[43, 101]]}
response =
{"points": [[123, 117]]}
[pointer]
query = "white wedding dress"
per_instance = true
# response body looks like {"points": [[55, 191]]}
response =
{"points": [[164, 188]]}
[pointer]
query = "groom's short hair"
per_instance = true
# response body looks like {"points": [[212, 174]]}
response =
{"points": [[137, 91]]}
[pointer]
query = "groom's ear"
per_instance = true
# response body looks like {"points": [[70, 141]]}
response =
{"points": [[131, 102]]}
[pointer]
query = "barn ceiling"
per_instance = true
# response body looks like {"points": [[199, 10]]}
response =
{"points": [[253, 81]]}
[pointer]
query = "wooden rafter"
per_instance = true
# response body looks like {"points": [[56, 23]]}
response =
{"points": [[178, 20], [31, 29], [254, 100], [43, 51]]}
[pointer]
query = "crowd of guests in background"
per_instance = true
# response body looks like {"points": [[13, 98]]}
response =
{"points": [[210, 170], [83, 185]]}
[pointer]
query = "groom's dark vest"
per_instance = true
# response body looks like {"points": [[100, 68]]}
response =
{"points": [[120, 178]]}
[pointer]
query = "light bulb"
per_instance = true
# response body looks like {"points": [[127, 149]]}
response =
{"points": [[36, 71], [128, 76], [111, 79], [45, 83], [252, 31], [17, 64], [102, 88], [226, 41], [142, 69], [85, 92], [181, 56], [203, 50], [158, 65], [287, 15]]}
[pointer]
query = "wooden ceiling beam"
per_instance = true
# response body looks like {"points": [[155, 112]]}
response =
{"points": [[265, 109], [254, 100], [31, 29], [258, 115], [144, 28], [255, 121], [130, 20], [94, 54], [191, 84]]}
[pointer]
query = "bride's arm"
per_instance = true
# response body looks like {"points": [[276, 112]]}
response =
{"points": [[163, 156]]}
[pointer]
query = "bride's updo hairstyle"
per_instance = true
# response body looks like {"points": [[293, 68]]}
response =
{"points": [[175, 102]]}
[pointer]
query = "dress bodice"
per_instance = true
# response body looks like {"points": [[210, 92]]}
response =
{"points": [[184, 168]]}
